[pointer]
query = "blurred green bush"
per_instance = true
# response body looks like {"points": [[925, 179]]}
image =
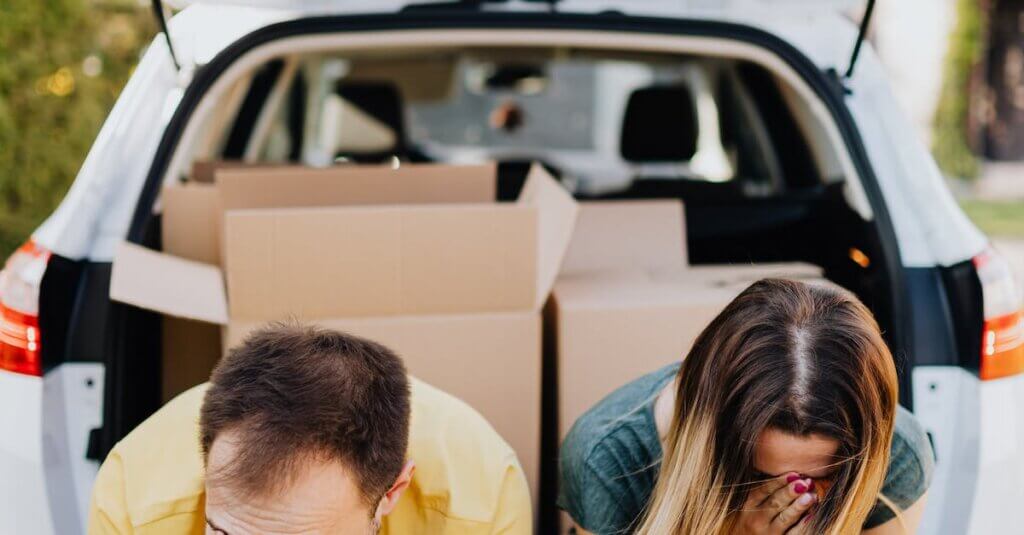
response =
{"points": [[62, 65], [950, 143]]}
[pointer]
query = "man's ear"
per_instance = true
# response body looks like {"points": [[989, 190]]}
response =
{"points": [[390, 499]]}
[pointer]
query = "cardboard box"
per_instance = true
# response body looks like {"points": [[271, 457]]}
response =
{"points": [[614, 327], [204, 171], [627, 304], [193, 212], [193, 225], [453, 282], [618, 235]]}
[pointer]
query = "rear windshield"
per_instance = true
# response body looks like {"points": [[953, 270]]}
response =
{"points": [[599, 120]]}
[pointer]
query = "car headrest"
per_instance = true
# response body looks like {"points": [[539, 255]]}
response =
{"points": [[660, 125]]}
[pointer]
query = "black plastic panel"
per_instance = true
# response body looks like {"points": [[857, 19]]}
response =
{"points": [[967, 312]]}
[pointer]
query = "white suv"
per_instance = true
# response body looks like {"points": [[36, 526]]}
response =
{"points": [[751, 112]]}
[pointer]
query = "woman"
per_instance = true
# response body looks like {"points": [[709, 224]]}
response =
{"points": [[783, 419]]}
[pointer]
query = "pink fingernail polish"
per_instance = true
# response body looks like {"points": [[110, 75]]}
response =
{"points": [[800, 488], [791, 478], [810, 484]]}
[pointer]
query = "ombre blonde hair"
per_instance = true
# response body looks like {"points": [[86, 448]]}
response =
{"points": [[801, 358]]}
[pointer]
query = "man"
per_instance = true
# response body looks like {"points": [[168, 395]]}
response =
{"points": [[307, 430]]}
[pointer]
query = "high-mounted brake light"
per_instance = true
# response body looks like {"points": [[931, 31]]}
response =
{"points": [[19, 310], [1002, 337]]}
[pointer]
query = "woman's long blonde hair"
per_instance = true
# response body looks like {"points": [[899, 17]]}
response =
{"points": [[801, 358]]}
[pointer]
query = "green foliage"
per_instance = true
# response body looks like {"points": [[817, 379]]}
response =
{"points": [[62, 65], [967, 44], [996, 218]]}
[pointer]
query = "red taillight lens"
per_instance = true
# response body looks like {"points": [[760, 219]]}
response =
{"points": [[1002, 337], [19, 310]]}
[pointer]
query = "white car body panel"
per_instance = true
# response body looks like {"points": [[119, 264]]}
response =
{"points": [[101, 201], [946, 403], [930, 227], [996, 505], [72, 407], [24, 507]]}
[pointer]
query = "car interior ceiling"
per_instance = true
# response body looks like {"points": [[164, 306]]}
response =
{"points": [[805, 218]]}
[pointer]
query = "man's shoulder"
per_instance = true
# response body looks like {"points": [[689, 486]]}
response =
{"points": [[465, 472], [172, 432], [446, 431], [156, 471]]}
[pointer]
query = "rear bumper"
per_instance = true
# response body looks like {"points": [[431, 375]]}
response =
{"points": [[1000, 489], [977, 428], [24, 506]]}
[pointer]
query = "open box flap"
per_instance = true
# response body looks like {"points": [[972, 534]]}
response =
{"points": [[557, 211], [156, 281], [267, 187], [204, 171]]}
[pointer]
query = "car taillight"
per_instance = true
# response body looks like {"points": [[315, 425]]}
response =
{"points": [[1002, 337], [19, 310]]}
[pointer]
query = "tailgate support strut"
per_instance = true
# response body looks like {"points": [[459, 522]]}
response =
{"points": [[861, 35], [161, 19]]}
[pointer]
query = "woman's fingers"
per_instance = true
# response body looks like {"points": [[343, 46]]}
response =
{"points": [[780, 499], [803, 527], [777, 506], [799, 504], [760, 495]]}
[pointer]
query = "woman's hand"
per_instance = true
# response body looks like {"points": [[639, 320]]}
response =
{"points": [[777, 507]]}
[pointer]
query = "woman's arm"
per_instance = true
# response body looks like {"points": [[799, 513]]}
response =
{"points": [[911, 519]]}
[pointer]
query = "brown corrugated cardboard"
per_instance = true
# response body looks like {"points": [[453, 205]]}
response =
{"points": [[616, 326], [382, 260], [190, 351], [407, 259], [393, 260], [731, 274], [454, 287], [190, 230], [193, 212], [190, 226], [490, 361], [203, 171], [617, 235], [169, 284], [353, 185]]}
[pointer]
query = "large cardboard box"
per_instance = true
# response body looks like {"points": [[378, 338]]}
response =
{"points": [[611, 328], [453, 282], [628, 305], [193, 213]]}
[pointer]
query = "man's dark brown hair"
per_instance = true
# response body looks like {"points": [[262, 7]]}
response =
{"points": [[291, 391]]}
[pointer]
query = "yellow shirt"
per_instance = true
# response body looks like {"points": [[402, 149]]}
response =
{"points": [[467, 479]]}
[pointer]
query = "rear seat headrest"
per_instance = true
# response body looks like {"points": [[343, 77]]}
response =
{"points": [[660, 125]]}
